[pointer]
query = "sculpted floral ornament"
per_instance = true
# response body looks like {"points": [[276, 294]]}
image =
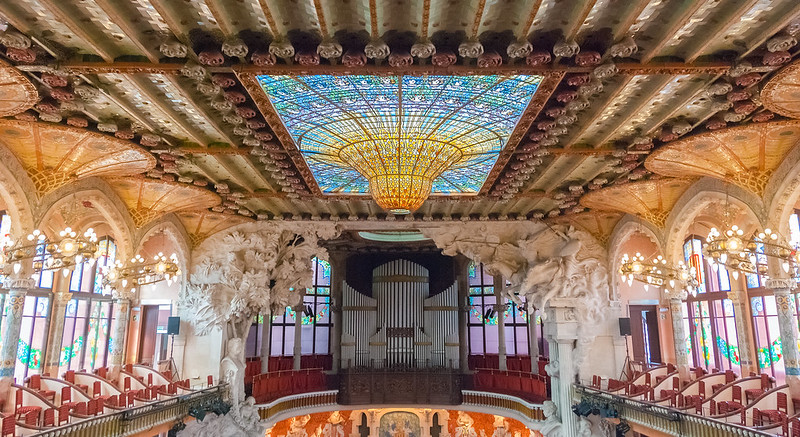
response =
{"points": [[376, 49], [282, 49]]}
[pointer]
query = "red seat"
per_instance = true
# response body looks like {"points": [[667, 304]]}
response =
{"points": [[21, 411], [9, 426], [49, 417], [777, 415], [63, 414], [80, 408], [210, 380], [32, 418]]}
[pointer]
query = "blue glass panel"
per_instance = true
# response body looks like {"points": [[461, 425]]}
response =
{"points": [[324, 113]]}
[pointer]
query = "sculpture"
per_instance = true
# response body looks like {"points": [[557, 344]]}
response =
{"points": [[464, 425], [243, 273], [551, 427]]}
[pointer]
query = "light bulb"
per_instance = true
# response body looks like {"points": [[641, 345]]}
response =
{"points": [[17, 267], [646, 287], [65, 272], [124, 283], [671, 283], [786, 267], [735, 274]]}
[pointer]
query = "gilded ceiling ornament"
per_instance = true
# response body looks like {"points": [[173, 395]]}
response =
{"points": [[235, 48], [173, 49], [423, 50], [282, 49], [15, 40], [376, 49], [566, 49], [624, 49], [519, 49], [329, 49], [470, 49], [781, 43]]}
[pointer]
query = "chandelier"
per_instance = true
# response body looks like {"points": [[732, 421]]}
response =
{"points": [[139, 272], [658, 273], [400, 169], [63, 253], [750, 255]]}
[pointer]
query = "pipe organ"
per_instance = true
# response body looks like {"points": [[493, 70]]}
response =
{"points": [[400, 325]]}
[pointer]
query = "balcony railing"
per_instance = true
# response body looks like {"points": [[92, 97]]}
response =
{"points": [[511, 406], [663, 419], [133, 420], [399, 385], [291, 405]]}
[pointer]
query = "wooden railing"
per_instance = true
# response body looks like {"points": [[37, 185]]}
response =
{"points": [[134, 420], [664, 419], [399, 385]]}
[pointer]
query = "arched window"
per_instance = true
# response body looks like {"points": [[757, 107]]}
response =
{"points": [[710, 319], [483, 319]]}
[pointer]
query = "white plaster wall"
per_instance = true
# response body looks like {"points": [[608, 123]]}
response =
{"points": [[201, 355]]}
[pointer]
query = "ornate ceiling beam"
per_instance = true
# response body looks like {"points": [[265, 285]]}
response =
{"points": [[631, 68], [208, 116], [670, 30], [124, 24], [735, 18], [68, 19]]}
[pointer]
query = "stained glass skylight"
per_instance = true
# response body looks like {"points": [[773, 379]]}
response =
{"points": [[325, 113]]}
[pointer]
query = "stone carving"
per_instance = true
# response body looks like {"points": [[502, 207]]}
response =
{"points": [[235, 48], [423, 50], [15, 40], [470, 49], [500, 427], [541, 263], [519, 49], [329, 49], [780, 43], [376, 49], [227, 425], [624, 49], [465, 425], [566, 49], [173, 49], [247, 273], [282, 49], [551, 426]]}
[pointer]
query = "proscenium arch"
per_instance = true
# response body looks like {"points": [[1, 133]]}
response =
{"points": [[104, 200], [705, 192], [626, 228]]}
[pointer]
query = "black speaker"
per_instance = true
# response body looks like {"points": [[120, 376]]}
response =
{"points": [[624, 326], [174, 326]]}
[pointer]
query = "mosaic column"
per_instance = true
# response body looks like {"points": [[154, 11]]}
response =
{"points": [[679, 337], [462, 275], [500, 309], [266, 344], [338, 265], [52, 357], [15, 301], [119, 330], [787, 324], [298, 335], [743, 333]]}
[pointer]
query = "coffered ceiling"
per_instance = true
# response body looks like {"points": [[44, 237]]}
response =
{"points": [[619, 80]]}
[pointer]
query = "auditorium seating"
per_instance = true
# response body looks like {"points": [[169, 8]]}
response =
{"points": [[530, 386]]}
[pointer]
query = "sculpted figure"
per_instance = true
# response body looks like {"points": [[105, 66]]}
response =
{"points": [[464, 425], [551, 427]]}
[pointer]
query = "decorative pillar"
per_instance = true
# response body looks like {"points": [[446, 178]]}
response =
{"points": [[15, 301], [52, 356], [338, 263], [741, 309], [500, 307], [462, 274], [119, 331], [266, 344], [787, 324], [298, 335], [563, 329], [679, 337]]}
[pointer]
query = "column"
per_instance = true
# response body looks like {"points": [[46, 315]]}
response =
{"points": [[266, 344], [462, 265], [52, 356], [562, 334], [679, 338], [744, 334], [15, 301], [119, 330], [338, 263], [533, 338], [787, 324], [500, 307], [566, 378], [298, 335]]}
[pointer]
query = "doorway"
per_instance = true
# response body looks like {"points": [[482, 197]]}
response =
{"points": [[644, 333]]}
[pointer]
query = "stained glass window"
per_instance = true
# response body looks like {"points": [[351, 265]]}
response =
{"points": [[74, 334], [326, 113], [107, 249], [33, 336], [483, 319]]}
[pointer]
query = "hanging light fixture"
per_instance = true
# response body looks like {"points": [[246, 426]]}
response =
{"points": [[62, 253], [139, 272], [738, 253], [657, 272]]}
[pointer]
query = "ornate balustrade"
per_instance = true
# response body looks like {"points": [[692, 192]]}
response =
{"points": [[663, 419], [495, 403], [291, 405], [134, 420]]}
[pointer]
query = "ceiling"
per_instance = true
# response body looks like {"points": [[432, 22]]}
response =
{"points": [[619, 80]]}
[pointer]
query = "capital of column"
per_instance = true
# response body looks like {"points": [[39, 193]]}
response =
{"points": [[18, 285], [61, 298], [780, 285]]}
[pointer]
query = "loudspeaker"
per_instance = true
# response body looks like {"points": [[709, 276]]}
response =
{"points": [[624, 326], [174, 326]]}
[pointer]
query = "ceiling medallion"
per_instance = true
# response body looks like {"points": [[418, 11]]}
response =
{"points": [[400, 138]]}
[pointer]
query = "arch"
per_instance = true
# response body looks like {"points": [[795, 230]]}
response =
{"points": [[707, 192], [783, 192], [172, 227], [626, 228], [104, 200], [15, 188]]}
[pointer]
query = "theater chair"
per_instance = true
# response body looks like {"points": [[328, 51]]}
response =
{"points": [[21, 411]]}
